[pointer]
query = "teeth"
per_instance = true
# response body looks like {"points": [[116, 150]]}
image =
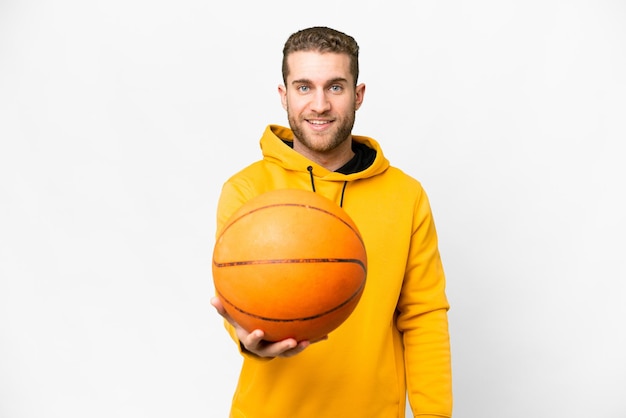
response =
{"points": [[318, 122]]}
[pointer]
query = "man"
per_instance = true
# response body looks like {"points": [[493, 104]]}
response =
{"points": [[396, 341]]}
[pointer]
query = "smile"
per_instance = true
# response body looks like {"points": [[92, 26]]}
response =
{"points": [[317, 122]]}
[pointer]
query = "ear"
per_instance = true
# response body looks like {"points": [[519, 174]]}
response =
{"points": [[282, 91], [359, 93]]}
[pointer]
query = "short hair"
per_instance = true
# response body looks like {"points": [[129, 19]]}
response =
{"points": [[322, 39]]}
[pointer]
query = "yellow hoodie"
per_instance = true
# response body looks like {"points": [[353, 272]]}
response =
{"points": [[396, 341]]}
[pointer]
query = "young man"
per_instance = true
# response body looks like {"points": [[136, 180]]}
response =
{"points": [[396, 341]]}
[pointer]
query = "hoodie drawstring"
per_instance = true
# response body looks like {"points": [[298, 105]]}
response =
{"points": [[343, 190], [310, 168]]}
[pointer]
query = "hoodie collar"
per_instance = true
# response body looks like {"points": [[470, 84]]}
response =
{"points": [[277, 152]]}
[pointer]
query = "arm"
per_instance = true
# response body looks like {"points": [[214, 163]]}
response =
{"points": [[250, 343], [423, 320]]}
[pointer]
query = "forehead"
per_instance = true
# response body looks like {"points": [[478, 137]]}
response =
{"points": [[318, 66]]}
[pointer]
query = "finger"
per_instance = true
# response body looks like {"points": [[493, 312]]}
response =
{"points": [[276, 349], [302, 345], [296, 350], [251, 340], [217, 304]]}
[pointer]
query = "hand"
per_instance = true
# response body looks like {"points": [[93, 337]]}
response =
{"points": [[254, 342]]}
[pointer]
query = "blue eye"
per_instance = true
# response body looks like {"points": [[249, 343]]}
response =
{"points": [[336, 88], [303, 89]]}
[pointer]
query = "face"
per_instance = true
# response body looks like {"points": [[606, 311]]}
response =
{"points": [[320, 99]]}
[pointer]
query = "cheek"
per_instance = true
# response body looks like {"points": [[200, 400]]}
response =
{"points": [[346, 107], [294, 105]]}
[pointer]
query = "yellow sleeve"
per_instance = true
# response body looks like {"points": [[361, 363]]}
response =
{"points": [[422, 319], [232, 197]]}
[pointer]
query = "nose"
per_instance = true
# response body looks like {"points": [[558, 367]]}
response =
{"points": [[320, 102]]}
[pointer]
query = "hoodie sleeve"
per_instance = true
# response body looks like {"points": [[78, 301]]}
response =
{"points": [[232, 197], [422, 318]]}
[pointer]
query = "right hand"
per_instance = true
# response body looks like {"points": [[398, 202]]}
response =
{"points": [[254, 342]]}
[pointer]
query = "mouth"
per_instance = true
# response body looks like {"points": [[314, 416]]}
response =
{"points": [[319, 124]]}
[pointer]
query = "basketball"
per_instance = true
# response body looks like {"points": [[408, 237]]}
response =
{"points": [[291, 263]]}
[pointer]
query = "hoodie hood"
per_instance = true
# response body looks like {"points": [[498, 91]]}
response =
{"points": [[277, 152]]}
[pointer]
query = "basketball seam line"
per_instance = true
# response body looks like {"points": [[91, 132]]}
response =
{"points": [[296, 205], [306, 318], [290, 261]]}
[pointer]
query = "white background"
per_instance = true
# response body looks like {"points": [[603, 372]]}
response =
{"points": [[120, 119]]}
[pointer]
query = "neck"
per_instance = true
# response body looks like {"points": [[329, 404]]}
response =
{"points": [[330, 160]]}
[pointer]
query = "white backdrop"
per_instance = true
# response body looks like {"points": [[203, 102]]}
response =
{"points": [[120, 119]]}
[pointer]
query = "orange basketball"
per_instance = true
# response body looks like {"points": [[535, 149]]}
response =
{"points": [[291, 263]]}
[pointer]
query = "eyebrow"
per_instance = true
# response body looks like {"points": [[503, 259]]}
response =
{"points": [[331, 81]]}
